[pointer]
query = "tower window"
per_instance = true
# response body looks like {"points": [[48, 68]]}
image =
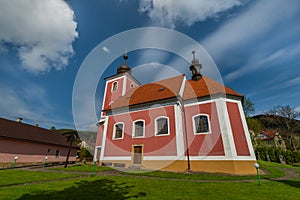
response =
{"points": [[114, 86], [201, 124]]}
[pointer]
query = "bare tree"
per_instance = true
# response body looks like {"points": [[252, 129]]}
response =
{"points": [[248, 106], [286, 115]]}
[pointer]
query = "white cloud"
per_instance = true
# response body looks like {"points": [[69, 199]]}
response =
{"points": [[168, 12], [249, 27], [295, 81], [27, 101], [42, 31], [107, 50], [263, 60]]}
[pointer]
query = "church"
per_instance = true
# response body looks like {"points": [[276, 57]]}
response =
{"points": [[176, 124]]}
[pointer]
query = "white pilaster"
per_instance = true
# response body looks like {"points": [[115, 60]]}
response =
{"points": [[104, 138], [225, 127], [179, 130]]}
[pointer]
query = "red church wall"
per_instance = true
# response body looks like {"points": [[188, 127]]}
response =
{"points": [[210, 144], [99, 136], [129, 84], [238, 132], [113, 95], [152, 145]]}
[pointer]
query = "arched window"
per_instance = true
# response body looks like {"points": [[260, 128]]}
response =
{"points": [[201, 124], [138, 128], [162, 126], [118, 130], [114, 86]]}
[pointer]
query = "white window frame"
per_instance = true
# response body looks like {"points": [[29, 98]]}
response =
{"points": [[168, 121], [194, 125], [133, 128], [112, 86], [114, 131]]}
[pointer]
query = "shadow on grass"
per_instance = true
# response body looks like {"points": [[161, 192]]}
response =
{"points": [[98, 189], [292, 183]]}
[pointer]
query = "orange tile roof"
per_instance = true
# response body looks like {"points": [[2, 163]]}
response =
{"points": [[205, 87], [150, 92], [169, 88]]}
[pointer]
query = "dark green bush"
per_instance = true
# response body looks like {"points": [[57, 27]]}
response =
{"points": [[289, 156]]}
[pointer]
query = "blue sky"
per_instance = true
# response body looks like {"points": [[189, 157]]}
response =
{"points": [[255, 45]]}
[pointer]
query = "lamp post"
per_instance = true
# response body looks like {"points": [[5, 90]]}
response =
{"points": [[45, 161], [14, 163], [182, 108], [256, 165], [94, 168]]}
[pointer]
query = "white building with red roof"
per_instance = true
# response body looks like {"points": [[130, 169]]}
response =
{"points": [[173, 124]]}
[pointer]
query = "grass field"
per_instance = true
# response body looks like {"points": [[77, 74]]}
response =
{"points": [[173, 186]]}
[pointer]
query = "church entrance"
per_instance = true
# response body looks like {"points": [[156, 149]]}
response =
{"points": [[137, 154]]}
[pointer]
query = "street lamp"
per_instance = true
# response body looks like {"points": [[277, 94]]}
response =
{"points": [[14, 163], [94, 168], [46, 158], [256, 165]]}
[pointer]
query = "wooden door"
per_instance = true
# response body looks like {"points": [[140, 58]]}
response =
{"points": [[137, 154]]}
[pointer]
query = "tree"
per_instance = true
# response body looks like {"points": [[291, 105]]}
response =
{"points": [[52, 128], [71, 136], [254, 124], [286, 115], [248, 106]]}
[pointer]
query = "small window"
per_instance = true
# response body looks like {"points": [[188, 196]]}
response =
{"points": [[162, 126], [118, 131], [138, 128], [57, 153], [201, 124], [49, 150], [114, 86]]}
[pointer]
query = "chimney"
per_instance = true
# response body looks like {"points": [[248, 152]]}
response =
{"points": [[37, 125], [19, 119]]}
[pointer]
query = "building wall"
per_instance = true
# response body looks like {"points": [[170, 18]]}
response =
{"points": [[239, 135], [209, 144], [130, 84], [32, 151], [110, 95], [152, 145]]}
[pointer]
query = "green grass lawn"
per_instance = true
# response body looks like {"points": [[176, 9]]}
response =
{"points": [[13, 177], [137, 187], [108, 187], [82, 168]]}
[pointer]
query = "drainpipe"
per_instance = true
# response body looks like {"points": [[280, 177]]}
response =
{"points": [[185, 132]]}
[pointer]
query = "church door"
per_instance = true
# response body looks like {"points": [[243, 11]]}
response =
{"points": [[137, 154]]}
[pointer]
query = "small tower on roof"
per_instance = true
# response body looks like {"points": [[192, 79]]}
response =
{"points": [[196, 68], [123, 68]]}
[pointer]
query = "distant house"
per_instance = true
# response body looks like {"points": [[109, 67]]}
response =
{"points": [[32, 143], [271, 138]]}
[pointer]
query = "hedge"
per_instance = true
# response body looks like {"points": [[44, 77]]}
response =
{"points": [[288, 156]]}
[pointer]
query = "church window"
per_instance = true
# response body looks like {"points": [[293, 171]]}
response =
{"points": [[114, 86], [138, 128], [162, 126], [201, 124], [118, 131]]}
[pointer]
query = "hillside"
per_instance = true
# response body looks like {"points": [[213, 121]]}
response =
{"points": [[282, 124]]}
